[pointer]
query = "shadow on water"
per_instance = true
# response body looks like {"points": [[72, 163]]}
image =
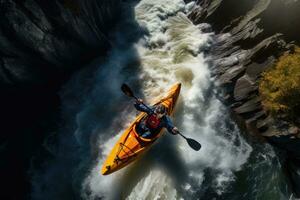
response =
{"points": [[260, 178], [92, 101]]}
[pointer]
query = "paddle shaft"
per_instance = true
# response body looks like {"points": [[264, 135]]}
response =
{"points": [[128, 92], [137, 99], [182, 135]]}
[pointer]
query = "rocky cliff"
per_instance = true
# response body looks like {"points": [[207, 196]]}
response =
{"points": [[251, 35], [41, 44], [41, 40]]}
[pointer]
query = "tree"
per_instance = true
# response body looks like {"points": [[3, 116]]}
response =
{"points": [[280, 86]]}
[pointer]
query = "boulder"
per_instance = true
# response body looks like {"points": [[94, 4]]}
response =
{"points": [[231, 74], [251, 105], [244, 86]]}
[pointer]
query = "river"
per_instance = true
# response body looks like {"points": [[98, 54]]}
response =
{"points": [[157, 49]]}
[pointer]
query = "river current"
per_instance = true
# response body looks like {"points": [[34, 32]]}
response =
{"points": [[154, 46]]}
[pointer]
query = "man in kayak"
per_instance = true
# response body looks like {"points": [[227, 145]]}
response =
{"points": [[156, 119]]}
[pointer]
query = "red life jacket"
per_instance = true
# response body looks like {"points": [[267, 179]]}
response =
{"points": [[152, 122]]}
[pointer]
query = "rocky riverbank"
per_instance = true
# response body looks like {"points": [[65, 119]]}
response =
{"points": [[251, 35]]}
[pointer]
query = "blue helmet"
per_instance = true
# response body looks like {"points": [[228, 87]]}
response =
{"points": [[160, 109]]}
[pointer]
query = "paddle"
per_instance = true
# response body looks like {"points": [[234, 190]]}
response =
{"points": [[126, 89], [191, 142], [128, 92]]}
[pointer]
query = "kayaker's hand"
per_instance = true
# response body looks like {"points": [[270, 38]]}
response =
{"points": [[175, 131], [139, 101]]}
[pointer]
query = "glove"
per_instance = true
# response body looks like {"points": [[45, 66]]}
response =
{"points": [[175, 131], [139, 101]]}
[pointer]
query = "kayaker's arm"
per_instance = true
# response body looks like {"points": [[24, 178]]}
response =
{"points": [[169, 125], [141, 107]]}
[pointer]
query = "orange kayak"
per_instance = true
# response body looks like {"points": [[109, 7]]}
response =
{"points": [[130, 146]]}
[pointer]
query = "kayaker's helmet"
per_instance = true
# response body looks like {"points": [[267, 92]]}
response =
{"points": [[160, 109]]}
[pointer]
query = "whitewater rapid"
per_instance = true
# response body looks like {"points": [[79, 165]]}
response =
{"points": [[172, 50], [154, 46]]}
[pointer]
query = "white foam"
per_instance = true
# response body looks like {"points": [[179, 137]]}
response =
{"points": [[156, 185], [172, 52]]}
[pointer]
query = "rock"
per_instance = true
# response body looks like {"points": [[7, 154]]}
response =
{"points": [[205, 9], [38, 17], [205, 28], [294, 130], [41, 44], [255, 69], [257, 115], [231, 74], [272, 45], [52, 36], [30, 35], [247, 43], [249, 106], [243, 87], [250, 30], [294, 171], [257, 9], [16, 71], [197, 15], [264, 124]]}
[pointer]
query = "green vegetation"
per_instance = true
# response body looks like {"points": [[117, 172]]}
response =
{"points": [[280, 86]]}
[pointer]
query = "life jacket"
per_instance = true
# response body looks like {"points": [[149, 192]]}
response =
{"points": [[152, 122]]}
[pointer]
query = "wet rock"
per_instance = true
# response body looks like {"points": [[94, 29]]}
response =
{"points": [[247, 44], [238, 69], [273, 45], [41, 44], [205, 28], [243, 88], [14, 71], [249, 106], [262, 125], [255, 69], [205, 9], [294, 130], [231, 74], [197, 15], [38, 17], [52, 36], [256, 116], [294, 171], [250, 30]]}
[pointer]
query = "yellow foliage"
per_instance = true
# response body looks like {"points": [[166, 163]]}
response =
{"points": [[280, 86]]}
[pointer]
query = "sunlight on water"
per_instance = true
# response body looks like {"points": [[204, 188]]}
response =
{"points": [[171, 52], [154, 48]]}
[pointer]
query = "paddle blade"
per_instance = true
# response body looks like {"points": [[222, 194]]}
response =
{"points": [[193, 144], [126, 89]]}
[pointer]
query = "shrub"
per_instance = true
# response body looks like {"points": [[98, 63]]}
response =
{"points": [[280, 86]]}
